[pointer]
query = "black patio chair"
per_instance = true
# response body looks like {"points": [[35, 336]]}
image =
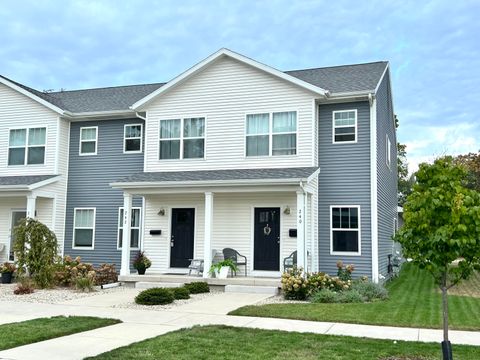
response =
{"points": [[290, 261], [233, 254]]}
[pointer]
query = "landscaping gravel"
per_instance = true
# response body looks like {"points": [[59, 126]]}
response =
{"points": [[48, 296], [279, 299], [193, 298]]}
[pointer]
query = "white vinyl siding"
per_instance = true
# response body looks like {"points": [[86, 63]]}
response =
{"points": [[345, 126], [132, 138], [84, 228], [88, 140], [135, 228], [18, 111], [345, 230], [225, 92]]}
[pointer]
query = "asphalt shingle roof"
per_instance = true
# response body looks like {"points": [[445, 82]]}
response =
{"points": [[345, 78], [215, 175], [23, 180], [336, 79]]}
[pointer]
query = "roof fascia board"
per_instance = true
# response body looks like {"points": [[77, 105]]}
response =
{"points": [[31, 96], [203, 183], [95, 115], [43, 183], [381, 77], [215, 56]]}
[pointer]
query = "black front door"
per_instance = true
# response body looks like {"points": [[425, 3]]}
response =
{"points": [[181, 242], [266, 248]]}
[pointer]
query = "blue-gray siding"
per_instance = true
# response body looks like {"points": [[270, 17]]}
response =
{"points": [[387, 177], [88, 186], [344, 179]]}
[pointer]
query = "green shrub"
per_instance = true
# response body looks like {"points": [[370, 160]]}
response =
{"points": [[370, 291], [181, 293], [85, 282], [350, 296], [197, 287], [324, 296], [155, 296], [35, 249]]}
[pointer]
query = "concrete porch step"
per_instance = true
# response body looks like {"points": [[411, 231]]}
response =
{"points": [[269, 290], [150, 285]]}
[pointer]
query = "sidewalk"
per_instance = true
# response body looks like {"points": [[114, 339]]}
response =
{"points": [[143, 324]]}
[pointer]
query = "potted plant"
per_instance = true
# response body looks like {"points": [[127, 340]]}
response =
{"points": [[7, 270], [141, 263], [221, 268]]}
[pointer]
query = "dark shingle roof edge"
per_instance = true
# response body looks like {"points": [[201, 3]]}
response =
{"points": [[23, 181], [217, 176], [342, 79]]}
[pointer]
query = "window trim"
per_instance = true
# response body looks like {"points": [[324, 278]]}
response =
{"points": [[140, 237], [344, 126], [395, 226], [270, 134], [388, 152], [182, 138], [25, 162], [80, 141], [359, 230], [94, 228], [125, 151]]}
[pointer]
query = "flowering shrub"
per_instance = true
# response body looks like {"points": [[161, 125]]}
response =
{"points": [[299, 286], [68, 269], [85, 281], [106, 274], [344, 274]]}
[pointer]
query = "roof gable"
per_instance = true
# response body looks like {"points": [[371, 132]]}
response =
{"points": [[214, 57]]}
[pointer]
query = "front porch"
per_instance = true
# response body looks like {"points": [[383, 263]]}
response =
{"points": [[265, 220]]}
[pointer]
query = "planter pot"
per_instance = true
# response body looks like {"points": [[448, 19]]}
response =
{"points": [[223, 273], [141, 271], [7, 278]]}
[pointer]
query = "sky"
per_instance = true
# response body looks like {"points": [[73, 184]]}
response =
{"points": [[433, 48]]}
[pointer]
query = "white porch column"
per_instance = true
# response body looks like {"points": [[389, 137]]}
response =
{"points": [[207, 242], [127, 222], [31, 205], [301, 217]]}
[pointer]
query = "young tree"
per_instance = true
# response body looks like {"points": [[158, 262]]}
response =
{"points": [[472, 162], [35, 251], [442, 228]]}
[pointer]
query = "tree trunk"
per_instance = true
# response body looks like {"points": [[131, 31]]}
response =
{"points": [[446, 346]]}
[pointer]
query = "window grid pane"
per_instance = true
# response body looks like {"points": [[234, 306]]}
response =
{"points": [[133, 131], [258, 124], [18, 137], [284, 122], [257, 145], [135, 228], [170, 129], [36, 136], [194, 127], [88, 134]]}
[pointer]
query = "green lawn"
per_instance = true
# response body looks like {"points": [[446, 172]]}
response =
{"points": [[414, 302], [222, 342], [31, 331]]}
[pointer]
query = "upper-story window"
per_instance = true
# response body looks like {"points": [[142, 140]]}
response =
{"points": [[88, 140], [132, 138], [271, 134], [27, 146], [388, 155], [182, 138], [345, 126]]}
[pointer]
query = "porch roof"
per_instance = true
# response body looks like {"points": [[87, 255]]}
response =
{"points": [[29, 182], [209, 177]]}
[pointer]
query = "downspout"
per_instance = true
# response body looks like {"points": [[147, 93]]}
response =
{"points": [[305, 252]]}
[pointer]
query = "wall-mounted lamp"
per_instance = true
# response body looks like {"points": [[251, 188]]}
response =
{"points": [[287, 210], [162, 212]]}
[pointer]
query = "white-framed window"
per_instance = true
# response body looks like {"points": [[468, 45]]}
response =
{"points": [[344, 126], [132, 138], [271, 134], [395, 226], [345, 230], [84, 228], [27, 146], [182, 138], [135, 228], [388, 154], [88, 140]]}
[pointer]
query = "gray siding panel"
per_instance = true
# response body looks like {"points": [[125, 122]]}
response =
{"points": [[88, 186], [344, 179], [387, 178]]}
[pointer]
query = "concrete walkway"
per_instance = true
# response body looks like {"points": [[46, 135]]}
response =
{"points": [[143, 324]]}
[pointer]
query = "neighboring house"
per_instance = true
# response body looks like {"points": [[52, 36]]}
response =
{"points": [[231, 153]]}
